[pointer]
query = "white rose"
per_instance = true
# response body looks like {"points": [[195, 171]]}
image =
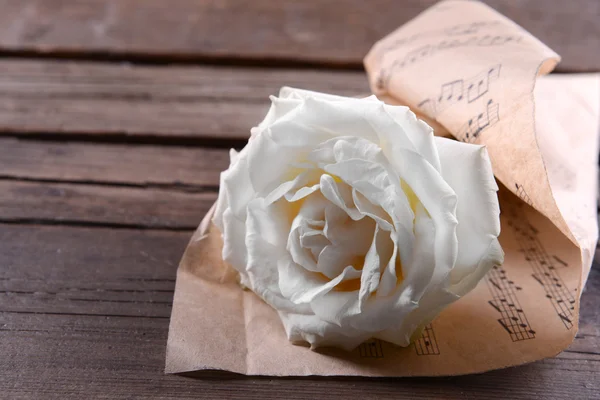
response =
{"points": [[353, 221]]}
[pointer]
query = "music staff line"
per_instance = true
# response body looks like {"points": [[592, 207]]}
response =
{"points": [[454, 30], [426, 51], [459, 90], [473, 128], [544, 269], [426, 344], [523, 194], [371, 349], [506, 302]]}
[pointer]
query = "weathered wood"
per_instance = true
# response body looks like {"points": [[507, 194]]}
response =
{"points": [[84, 310], [125, 117], [103, 205], [136, 165], [54, 345], [338, 32], [99, 271], [56, 97]]}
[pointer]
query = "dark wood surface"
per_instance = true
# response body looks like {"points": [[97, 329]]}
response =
{"points": [[40, 97], [115, 120], [315, 32]]}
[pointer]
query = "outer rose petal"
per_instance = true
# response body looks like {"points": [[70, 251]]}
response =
{"points": [[235, 187], [312, 329], [287, 92], [418, 132], [265, 241], [477, 209], [477, 231], [279, 108]]}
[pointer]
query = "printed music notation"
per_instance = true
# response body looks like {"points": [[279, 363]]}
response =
{"points": [[480, 84], [471, 130], [372, 348], [458, 90], [544, 266], [425, 51], [558, 260], [470, 28], [523, 194], [505, 301], [427, 344]]}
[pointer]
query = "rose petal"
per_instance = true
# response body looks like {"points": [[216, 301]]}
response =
{"points": [[336, 307], [289, 92], [367, 208], [301, 286], [316, 121], [298, 253], [264, 236], [377, 257], [306, 177], [439, 200], [319, 333], [236, 187], [416, 131], [373, 182], [418, 272], [234, 245], [269, 164], [279, 108], [340, 195], [477, 208]]}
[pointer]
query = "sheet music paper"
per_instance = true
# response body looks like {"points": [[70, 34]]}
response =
{"points": [[543, 143]]}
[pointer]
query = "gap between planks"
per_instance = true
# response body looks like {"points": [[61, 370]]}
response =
{"points": [[34, 203], [182, 106]]}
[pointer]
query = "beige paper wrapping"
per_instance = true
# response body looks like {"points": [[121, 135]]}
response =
{"points": [[472, 71]]}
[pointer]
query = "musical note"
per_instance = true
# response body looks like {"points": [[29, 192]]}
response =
{"points": [[480, 85], [470, 28], [428, 106], [543, 266], [372, 348], [414, 55], [455, 30], [443, 44], [470, 131], [451, 92], [506, 302], [564, 264], [410, 58], [427, 345], [458, 90], [523, 194]]}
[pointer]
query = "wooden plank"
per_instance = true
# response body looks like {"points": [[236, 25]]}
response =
{"points": [[116, 164], [88, 271], [79, 98], [102, 205], [95, 357], [124, 117], [112, 346], [338, 32]]}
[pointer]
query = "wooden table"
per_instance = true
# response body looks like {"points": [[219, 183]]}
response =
{"points": [[115, 120]]}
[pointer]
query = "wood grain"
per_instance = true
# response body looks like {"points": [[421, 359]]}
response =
{"points": [[337, 32], [190, 168], [99, 271], [84, 314], [28, 202], [76, 98]]}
